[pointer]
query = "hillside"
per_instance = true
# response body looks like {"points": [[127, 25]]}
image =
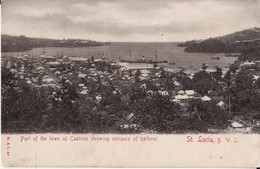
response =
{"points": [[209, 45], [23, 43], [227, 43], [241, 35]]}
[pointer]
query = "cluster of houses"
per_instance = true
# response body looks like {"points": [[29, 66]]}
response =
{"points": [[30, 71], [48, 72]]}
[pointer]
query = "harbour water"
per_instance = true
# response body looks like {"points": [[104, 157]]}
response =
{"points": [[122, 50]]}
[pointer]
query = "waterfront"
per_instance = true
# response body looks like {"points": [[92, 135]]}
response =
{"points": [[164, 51]]}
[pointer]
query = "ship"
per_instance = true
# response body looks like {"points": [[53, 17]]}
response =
{"points": [[215, 57], [143, 60]]}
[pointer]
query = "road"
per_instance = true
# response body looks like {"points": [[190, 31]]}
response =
{"points": [[56, 80]]}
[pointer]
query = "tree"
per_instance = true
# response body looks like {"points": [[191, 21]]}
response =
{"points": [[187, 83], [88, 63], [210, 45], [130, 74], [233, 68], [155, 64], [155, 114], [243, 80], [22, 107], [217, 74], [200, 76], [98, 79], [109, 68], [244, 97], [169, 83], [205, 85], [92, 59], [163, 73], [66, 107], [204, 66], [228, 78], [257, 83], [208, 112], [250, 55], [137, 75], [7, 78]]}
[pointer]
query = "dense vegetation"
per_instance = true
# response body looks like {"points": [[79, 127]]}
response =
{"points": [[250, 55], [224, 44], [207, 46]]}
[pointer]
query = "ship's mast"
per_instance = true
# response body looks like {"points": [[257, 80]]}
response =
{"points": [[130, 55], [155, 55], [43, 48]]}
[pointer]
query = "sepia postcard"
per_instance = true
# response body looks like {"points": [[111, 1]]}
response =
{"points": [[130, 83]]}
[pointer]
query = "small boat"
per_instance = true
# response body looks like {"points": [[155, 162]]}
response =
{"points": [[215, 57]]}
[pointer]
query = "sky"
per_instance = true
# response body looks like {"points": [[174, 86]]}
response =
{"points": [[128, 20]]}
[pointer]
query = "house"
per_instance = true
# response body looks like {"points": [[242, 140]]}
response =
{"points": [[255, 77], [175, 100], [158, 84], [122, 123], [164, 93], [205, 98], [51, 58], [77, 59], [57, 73], [257, 122], [241, 125], [65, 59], [181, 92], [98, 98], [257, 62], [176, 83], [48, 80], [53, 64], [129, 117], [236, 125], [29, 82], [247, 64], [54, 86], [181, 97], [82, 75], [98, 60], [81, 85], [35, 79], [220, 104], [150, 92], [189, 92], [191, 77], [143, 86]]}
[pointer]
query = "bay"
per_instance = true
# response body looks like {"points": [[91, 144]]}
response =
{"points": [[122, 50]]}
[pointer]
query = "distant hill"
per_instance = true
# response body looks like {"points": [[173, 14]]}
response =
{"points": [[22, 43], [207, 46], [235, 42]]}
